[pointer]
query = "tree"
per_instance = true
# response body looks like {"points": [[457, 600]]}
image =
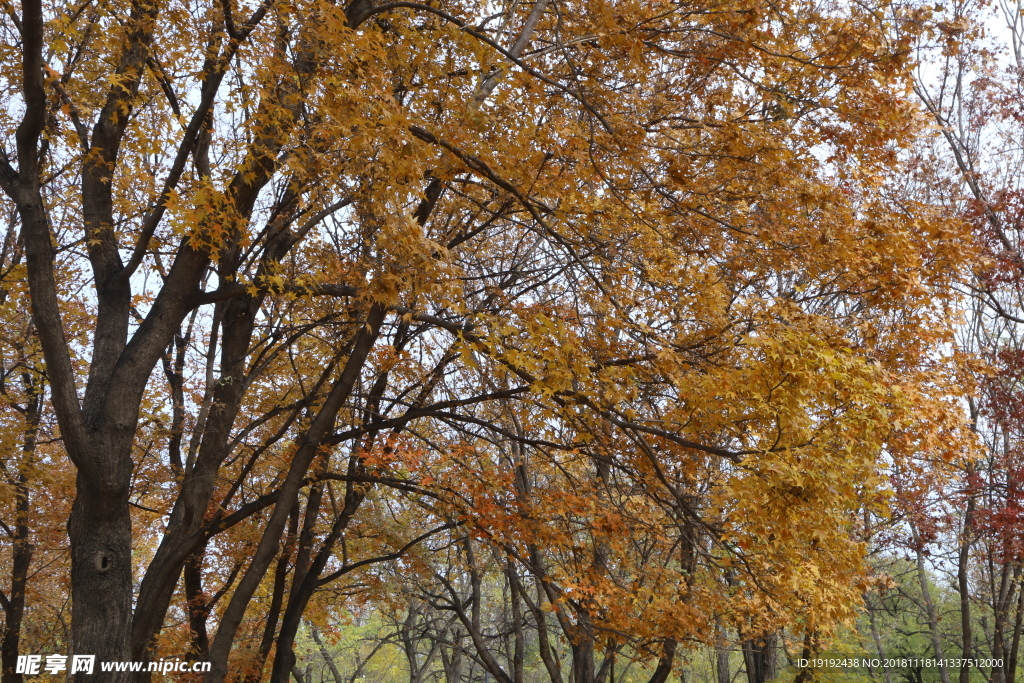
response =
{"points": [[35, 482], [970, 86], [659, 249]]}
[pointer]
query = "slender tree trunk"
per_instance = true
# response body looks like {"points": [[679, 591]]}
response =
{"points": [[410, 642], [1018, 623], [806, 673], [308, 569], [452, 664], [14, 609], [306, 579], [963, 586], [929, 606], [879, 650], [546, 651], [274, 611], [518, 635], [183, 535], [303, 458], [328, 659], [1008, 580], [722, 672], [21, 552], [607, 664]]}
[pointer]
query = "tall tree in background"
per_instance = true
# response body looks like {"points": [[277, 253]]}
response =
{"points": [[624, 291], [970, 85]]}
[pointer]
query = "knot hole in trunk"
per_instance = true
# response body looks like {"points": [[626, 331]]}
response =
{"points": [[103, 562]]}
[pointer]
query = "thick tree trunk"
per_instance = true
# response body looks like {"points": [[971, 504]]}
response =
{"points": [[583, 653], [722, 672], [100, 532]]}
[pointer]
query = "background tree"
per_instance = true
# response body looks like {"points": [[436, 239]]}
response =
{"points": [[969, 85], [35, 481]]}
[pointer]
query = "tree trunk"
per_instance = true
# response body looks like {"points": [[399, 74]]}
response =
{"points": [[519, 637], [722, 672], [879, 650], [21, 554], [664, 667], [1008, 579], [100, 533], [1011, 664], [963, 586], [929, 606], [759, 658], [305, 580], [301, 461], [328, 659]]}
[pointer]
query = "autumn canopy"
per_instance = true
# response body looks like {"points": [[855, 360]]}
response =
{"points": [[628, 309]]}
